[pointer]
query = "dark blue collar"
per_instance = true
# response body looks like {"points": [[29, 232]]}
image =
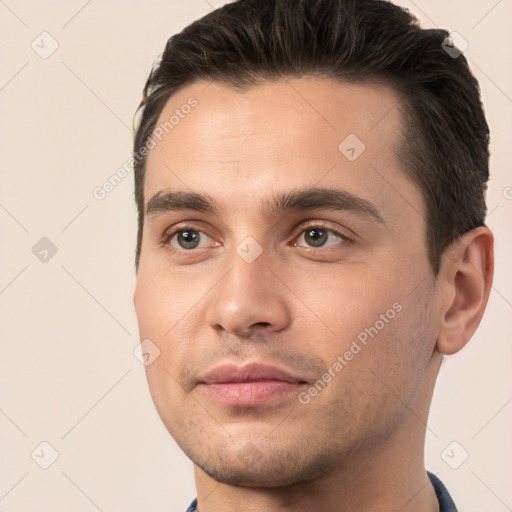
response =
{"points": [[446, 503], [193, 506]]}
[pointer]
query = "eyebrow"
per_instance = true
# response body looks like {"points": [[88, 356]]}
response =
{"points": [[295, 200]]}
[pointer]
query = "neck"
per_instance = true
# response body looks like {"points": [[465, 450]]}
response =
{"points": [[387, 478]]}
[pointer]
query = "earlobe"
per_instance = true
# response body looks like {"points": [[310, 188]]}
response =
{"points": [[466, 274]]}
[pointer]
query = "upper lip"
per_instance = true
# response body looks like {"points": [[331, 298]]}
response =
{"points": [[231, 373]]}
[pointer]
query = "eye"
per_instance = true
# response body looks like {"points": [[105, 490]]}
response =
{"points": [[311, 237], [187, 239], [320, 236]]}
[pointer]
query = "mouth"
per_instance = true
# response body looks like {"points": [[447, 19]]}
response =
{"points": [[250, 385]]}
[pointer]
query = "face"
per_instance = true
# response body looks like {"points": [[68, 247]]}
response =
{"points": [[283, 277]]}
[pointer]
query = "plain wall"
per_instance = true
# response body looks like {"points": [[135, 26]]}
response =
{"points": [[68, 375]]}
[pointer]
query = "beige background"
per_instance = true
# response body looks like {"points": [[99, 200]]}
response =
{"points": [[68, 373]]}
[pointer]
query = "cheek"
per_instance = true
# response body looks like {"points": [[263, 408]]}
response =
{"points": [[158, 318], [375, 323], [161, 303], [149, 305], [351, 300]]}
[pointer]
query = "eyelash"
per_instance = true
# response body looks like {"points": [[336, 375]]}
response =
{"points": [[168, 236]]}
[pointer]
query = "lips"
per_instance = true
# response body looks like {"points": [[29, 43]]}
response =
{"points": [[249, 385], [226, 374]]}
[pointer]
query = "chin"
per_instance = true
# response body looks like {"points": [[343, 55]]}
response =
{"points": [[276, 468], [251, 477]]}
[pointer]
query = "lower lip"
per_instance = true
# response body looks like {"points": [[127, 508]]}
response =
{"points": [[247, 394]]}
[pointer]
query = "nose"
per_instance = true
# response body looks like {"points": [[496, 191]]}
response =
{"points": [[248, 299]]}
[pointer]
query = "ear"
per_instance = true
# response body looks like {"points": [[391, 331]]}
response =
{"points": [[466, 274]]}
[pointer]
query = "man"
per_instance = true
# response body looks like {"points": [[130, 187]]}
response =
{"points": [[310, 178]]}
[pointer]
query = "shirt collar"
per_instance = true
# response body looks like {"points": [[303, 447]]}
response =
{"points": [[446, 503]]}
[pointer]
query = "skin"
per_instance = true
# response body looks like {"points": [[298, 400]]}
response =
{"points": [[357, 444]]}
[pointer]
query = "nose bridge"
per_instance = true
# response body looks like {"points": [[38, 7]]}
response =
{"points": [[249, 262], [248, 295], [244, 278], [248, 280]]}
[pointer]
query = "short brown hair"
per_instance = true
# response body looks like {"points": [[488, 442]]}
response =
{"points": [[246, 42]]}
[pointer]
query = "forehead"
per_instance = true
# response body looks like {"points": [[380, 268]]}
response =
{"points": [[238, 145]]}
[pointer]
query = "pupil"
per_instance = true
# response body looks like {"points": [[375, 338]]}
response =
{"points": [[188, 239], [316, 237]]}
